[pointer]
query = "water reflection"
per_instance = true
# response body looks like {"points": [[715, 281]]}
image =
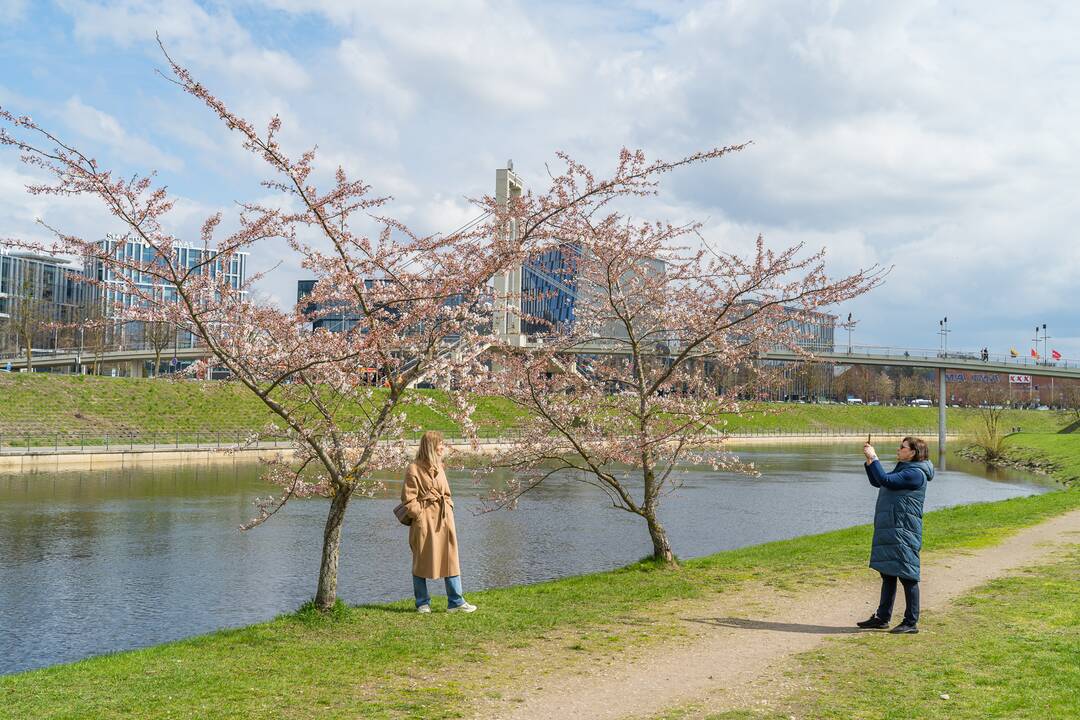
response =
{"points": [[107, 560]]}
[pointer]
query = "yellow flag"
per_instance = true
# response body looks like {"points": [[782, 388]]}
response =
{"points": [[1014, 352]]}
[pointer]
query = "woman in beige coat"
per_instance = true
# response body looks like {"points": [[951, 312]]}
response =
{"points": [[432, 535]]}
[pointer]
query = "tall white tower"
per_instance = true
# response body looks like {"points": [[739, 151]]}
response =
{"points": [[507, 320]]}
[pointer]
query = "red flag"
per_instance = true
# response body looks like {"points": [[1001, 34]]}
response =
{"points": [[1055, 354], [1034, 354]]}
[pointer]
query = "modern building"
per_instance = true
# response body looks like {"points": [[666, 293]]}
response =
{"points": [[545, 294], [343, 316], [337, 318], [38, 290], [549, 291], [110, 289]]}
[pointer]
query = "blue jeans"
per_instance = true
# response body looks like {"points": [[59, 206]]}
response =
{"points": [[888, 597], [453, 591]]}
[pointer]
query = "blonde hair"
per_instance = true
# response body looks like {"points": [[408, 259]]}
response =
{"points": [[427, 455]]}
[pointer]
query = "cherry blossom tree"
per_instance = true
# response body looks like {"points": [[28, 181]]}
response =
{"points": [[638, 385], [421, 303]]}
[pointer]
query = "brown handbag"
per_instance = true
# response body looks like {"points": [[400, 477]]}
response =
{"points": [[402, 514]]}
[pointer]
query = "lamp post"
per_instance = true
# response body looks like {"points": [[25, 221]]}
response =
{"points": [[943, 331], [849, 326]]}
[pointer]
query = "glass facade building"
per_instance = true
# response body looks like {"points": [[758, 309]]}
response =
{"points": [[46, 287], [549, 290], [112, 281]]}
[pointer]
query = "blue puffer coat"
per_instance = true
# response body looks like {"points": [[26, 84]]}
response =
{"points": [[898, 516]]}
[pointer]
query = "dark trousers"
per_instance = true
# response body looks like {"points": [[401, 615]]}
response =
{"points": [[888, 596]]}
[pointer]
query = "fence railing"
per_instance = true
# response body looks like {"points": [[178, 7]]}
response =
{"points": [[38, 443]]}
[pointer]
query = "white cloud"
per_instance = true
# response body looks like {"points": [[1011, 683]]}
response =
{"points": [[106, 130], [190, 33]]}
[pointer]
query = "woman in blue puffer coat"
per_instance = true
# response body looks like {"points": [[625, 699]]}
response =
{"points": [[898, 529]]}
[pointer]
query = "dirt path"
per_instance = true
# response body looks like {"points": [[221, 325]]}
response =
{"points": [[735, 640]]}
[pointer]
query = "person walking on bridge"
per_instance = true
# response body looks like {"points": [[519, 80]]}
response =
{"points": [[425, 495], [898, 529]]}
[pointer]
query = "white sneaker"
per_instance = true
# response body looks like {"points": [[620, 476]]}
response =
{"points": [[423, 609], [464, 607]]}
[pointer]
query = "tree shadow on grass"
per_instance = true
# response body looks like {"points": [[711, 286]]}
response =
{"points": [[746, 624]]}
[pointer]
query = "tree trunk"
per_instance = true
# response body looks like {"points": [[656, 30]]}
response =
{"points": [[29, 358], [328, 570], [661, 546]]}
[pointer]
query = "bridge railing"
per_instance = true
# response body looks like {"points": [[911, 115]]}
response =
{"points": [[834, 353], [1020, 361]]}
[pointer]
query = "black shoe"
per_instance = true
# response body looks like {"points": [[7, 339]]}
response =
{"points": [[905, 628], [873, 623]]}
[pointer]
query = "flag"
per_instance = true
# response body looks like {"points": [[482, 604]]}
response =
{"points": [[1034, 354], [1055, 354], [1013, 352]]}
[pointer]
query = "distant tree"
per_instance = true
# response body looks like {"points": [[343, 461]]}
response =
{"points": [[29, 318], [158, 335], [1071, 397], [884, 388], [92, 328]]}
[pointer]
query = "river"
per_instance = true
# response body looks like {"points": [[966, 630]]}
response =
{"points": [[94, 562]]}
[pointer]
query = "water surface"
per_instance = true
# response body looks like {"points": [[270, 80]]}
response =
{"points": [[93, 562]]}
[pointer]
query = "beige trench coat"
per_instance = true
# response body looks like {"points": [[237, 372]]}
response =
{"points": [[432, 535]]}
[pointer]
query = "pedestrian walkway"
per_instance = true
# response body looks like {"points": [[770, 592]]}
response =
{"points": [[734, 642]]}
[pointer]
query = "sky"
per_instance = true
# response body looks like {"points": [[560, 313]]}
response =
{"points": [[936, 138]]}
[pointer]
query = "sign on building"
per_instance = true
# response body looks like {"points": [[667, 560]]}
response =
{"points": [[1020, 379]]}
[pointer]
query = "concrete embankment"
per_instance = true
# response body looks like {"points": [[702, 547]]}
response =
{"points": [[46, 459]]}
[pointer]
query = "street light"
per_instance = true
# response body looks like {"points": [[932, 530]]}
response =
{"points": [[849, 326], [943, 331]]}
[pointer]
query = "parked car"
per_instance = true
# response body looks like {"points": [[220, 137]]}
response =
{"points": [[921, 402], [854, 401]]}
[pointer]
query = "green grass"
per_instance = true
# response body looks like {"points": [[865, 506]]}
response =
{"points": [[1061, 451], [43, 409], [1010, 649], [40, 409], [784, 417], [387, 662]]}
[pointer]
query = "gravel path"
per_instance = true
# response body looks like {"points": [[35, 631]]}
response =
{"points": [[734, 641]]}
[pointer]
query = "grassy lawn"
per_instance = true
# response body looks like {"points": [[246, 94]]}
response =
{"points": [[1011, 649], [387, 662], [1062, 451], [42, 409]]}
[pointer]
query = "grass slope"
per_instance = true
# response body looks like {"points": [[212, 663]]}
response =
{"points": [[374, 661], [43, 406], [1062, 451]]}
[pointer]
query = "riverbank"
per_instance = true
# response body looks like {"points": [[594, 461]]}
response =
{"points": [[30, 458], [390, 663], [1055, 454], [41, 410]]}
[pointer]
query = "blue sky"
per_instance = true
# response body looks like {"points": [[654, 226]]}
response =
{"points": [[936, 137]]}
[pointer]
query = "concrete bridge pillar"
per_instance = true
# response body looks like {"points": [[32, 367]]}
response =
{"points": [[941, 418]]}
